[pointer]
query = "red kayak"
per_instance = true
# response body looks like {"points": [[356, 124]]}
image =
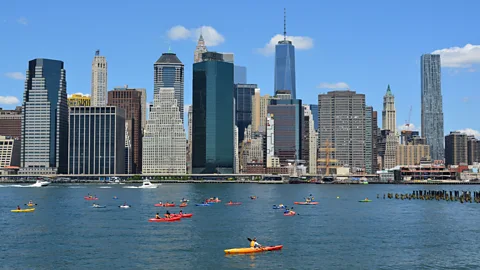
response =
{"points": [[306, 203], [233, 203], [90, 199], [164, 219], [213, 201], [165, 205], [182, 215], [183, 205], [290, 214]]}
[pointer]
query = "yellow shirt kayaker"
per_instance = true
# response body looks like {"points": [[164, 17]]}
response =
{"points": [[254, 243], [157, 216]]}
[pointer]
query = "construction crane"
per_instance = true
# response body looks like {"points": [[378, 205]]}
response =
{"points": [[407, 122]]}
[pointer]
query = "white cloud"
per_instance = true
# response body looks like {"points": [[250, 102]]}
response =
{"points": [[22, 20], [178, 32], [70, 95], [470, 131], [406, 127], [15, 75], [210, 34], [300, 43], [460, 57], [9, 100], [338, 85]]}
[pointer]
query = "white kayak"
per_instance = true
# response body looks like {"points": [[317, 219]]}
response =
{"points": [[124, 206]]}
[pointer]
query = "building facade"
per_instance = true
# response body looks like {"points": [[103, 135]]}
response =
{"points": [[96, 140], [190, 142], [164, 143], [270, 138], [99, 80], [264, 102], [244, 94], [369, 139], [199, 50], [213, 115], [76, 100], [256, 110], [11, 122], [288, 130], [169, 72], [342, 123], [9, 152], [314, 110], [432, 105], [389, 114], [473, 150], [456, 146], [309, 147], [44, 147], [131, 100], [412, 154], [375, 134]]}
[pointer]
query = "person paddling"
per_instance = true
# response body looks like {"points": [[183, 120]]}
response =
{"points": [[18, 207], [167, 214], [254, 243], [157, 216]]}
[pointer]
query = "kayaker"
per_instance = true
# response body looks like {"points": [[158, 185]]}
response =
{"points": [[168, 214], [230, 202], [18, 207], [181, 212], [125, 204], [157, 216], [254, 243], [160, 203]]}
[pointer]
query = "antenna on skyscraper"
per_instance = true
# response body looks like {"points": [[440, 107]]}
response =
{"points": [[284, 24]]}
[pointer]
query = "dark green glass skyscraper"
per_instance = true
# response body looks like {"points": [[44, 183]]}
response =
{"points": [[213, 115]]}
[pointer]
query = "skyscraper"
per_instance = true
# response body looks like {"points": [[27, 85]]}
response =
{"points": [[432, 108], [239, 72], [256, 110], [389, 115], [213, 115], [45, 118], [169, 72], [342, 124], [199, 50], [456, 148], [99, 80], [131, 100], [96, 140], [288, 130], [164, 143], [368, 139], [285, 64], [264, 102], [190, 142], [243, 94], [11, 122], [309, 147]]}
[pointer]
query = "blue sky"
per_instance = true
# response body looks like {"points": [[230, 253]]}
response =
{"points": [[364, 44]]}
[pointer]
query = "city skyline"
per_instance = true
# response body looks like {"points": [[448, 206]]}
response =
{"points": [[331, 58]]}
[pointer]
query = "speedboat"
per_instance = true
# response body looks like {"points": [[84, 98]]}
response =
{"points": [[40, 183], [148, 184]]}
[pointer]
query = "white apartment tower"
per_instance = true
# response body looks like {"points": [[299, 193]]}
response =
{"points": [[164, 142], [389, 115], [201, 48], [99, 80]]}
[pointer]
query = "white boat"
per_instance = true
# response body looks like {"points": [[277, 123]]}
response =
{"points": [[148, 184], [40, 183], [124, 206]]}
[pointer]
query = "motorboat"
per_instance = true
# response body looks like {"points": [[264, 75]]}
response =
{"points": [[148, 184], [41, 183]]}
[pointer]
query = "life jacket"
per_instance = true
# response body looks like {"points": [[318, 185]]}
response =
{"points": [[252, 243]]}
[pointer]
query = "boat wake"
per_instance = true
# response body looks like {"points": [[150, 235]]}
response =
{"points": [[131, 187], [104, 187], [15, 186], [76, 187]]}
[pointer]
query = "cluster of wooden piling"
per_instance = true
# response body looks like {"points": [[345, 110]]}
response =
{"points": [[439, 195]]}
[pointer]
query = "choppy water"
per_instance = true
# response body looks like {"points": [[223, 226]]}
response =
{"points": [[66, 233]]}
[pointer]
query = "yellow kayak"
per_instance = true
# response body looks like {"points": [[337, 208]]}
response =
{"points": [[251, 250], [30, 204], [23, 210]]}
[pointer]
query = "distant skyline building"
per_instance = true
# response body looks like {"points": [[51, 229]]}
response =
{"points": [[256, 110], [264, 102], [270, 138], [11, 122], [432, 105], [213, 115], [96, 140], [199, 50], [389, 114], [169, 72], [190, 142], [288, 131], [412, 154], [369, 139], [131, 101], [99, 80], [309, 146], [341, 121], [164, 143], [375, 134], [314, 110], [243, 94], [45, 118], [456, 148], [473, 150], [9, 151], [285, 64], [79, 100], [239, 74]]}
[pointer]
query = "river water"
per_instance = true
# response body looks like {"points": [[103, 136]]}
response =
{"points": [[65, 232]]}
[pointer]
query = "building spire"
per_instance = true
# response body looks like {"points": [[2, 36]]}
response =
{"points": [[284, 24], [389, 92]]}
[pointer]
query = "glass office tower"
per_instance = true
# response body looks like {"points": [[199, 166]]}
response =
{"points": [[213, 115], [285, 67]]}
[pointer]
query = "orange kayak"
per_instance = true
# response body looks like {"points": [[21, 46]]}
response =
{"points": [[164, 219], [183, 205], [233, 203], [165, 205], [306, 203]]}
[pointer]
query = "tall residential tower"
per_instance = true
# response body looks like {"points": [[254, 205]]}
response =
{"points": [[99, 80], [432, 108]]}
